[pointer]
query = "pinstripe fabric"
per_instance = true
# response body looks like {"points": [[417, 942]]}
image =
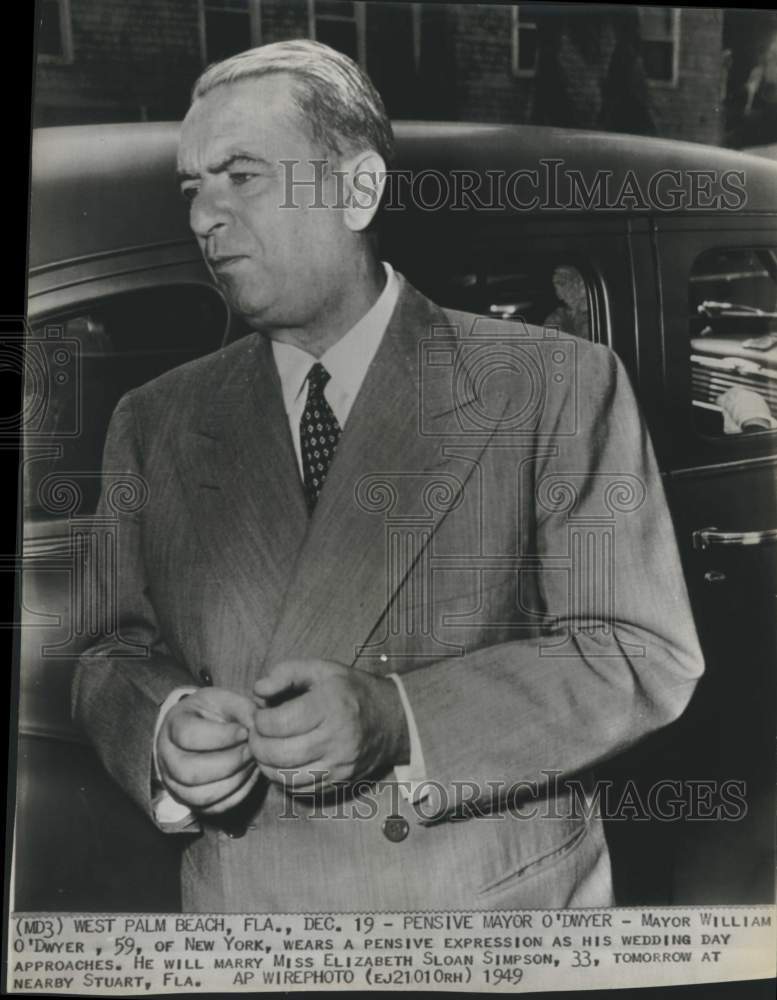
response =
{"points": [[510, 679]]}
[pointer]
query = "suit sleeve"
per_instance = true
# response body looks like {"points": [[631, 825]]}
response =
{"points": [[622, 657], [125, 675]]}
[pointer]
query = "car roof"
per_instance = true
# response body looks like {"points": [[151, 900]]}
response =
{"points": [[100, 188]]}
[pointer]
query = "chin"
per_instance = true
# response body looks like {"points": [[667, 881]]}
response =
{"points": [[263, 316], [245, 303], [284, 308]]}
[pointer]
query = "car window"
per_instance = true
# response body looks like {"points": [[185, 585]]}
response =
{"points": [[80, 363], [733, 341], [546, 291]]}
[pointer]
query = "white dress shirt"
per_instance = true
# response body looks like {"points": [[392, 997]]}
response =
{"points": [[347, 362]]}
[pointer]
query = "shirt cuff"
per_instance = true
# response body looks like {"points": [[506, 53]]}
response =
{"points": [[167, 810], [412, 776]]}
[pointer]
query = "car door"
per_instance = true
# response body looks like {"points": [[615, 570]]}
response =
{"points": [[717, 280], [96, 329]]}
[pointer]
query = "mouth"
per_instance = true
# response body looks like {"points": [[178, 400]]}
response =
{"points": [[223, 261]]}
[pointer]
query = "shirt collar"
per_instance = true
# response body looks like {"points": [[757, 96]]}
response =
{"points": [[346, 361]]}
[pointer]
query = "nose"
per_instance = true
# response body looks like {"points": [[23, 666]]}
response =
{"points": [[209, 211]]}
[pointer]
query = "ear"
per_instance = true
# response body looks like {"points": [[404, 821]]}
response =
{"points": [[364, 178]]}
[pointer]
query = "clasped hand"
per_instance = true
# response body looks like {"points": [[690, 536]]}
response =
{"points": [[312, 723]]}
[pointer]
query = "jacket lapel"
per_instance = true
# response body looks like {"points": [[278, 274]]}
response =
{"points": [[248, 503], [391, 452]]}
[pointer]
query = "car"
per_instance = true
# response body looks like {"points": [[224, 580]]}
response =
{"points": [[769, 150], [664, 251]]}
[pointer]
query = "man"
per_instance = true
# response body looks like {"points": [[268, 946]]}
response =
{"points": [[368, 664]]}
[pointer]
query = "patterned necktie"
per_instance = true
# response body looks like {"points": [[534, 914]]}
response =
{"points": [[319, 433]]}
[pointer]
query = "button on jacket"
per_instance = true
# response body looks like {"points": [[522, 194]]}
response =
{"points": [[445, 547]]}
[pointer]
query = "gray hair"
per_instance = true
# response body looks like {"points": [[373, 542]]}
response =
{"points": [[342, 110]]}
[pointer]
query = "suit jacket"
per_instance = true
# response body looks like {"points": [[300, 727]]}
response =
{"points": [[493, 529]]}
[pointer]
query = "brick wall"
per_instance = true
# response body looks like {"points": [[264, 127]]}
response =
{"points": [[486, 89], [694, 109], [138, 58], [282, 19], [131, 58]]}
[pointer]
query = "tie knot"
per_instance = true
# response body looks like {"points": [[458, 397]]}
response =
{"points": [[318, 377]]}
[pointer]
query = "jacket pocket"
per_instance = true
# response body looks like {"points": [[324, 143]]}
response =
{"points": [[537, 864]]}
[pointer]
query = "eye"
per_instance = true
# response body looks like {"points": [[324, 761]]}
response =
{"points": [[240, 177], [189, 192]]}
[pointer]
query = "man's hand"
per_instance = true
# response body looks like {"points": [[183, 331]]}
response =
{"points": [[331, 718], [203, 753]]}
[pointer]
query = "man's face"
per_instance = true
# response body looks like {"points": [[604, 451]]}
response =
{"points": [[276, 266]]}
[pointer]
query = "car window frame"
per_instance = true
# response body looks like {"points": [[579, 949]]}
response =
{"points": [[124, 273], [678, 243]]}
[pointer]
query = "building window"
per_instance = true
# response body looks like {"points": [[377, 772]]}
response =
{"points": [[340, 25], [400, 39], [660, 43], [417, 16], [228, 27], [55, 37], [523, 44]]}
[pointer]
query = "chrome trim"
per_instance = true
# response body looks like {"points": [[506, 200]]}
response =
{"points": [[150, 267], [59, 732], [705, 538], [713, 468], [130, 249]]}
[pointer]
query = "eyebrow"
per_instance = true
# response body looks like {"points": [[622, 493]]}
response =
{"points": [[222, 165]]}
